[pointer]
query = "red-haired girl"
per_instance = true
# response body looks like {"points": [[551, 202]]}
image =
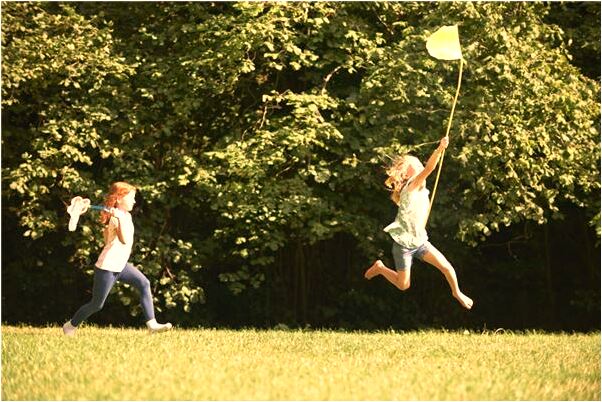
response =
{"points": [[112, 264], [407, 180]]}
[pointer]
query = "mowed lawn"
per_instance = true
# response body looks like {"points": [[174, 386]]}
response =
{"points": [[209, 364]]}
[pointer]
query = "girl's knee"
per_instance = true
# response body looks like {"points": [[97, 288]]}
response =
{"points": [[403, 279], [144, 284], [403, 285]]}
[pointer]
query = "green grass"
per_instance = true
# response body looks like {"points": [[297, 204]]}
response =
{"points": [[206, 364]]}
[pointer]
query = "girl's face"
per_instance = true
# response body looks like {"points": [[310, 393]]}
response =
{"points": [[128, 201]]}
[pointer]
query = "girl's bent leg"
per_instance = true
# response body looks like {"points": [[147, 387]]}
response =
{"points": [[401, 278], [103, 282], [373, 270], [134, 277], [438, 260], [131, 275]]}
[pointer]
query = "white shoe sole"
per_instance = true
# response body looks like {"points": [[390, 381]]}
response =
{"points": [[163, 328]]}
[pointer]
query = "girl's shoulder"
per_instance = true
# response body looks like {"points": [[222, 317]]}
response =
{"points": [[128, 218], [409, 187]]}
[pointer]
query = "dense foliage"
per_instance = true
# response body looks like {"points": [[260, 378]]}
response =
{"points": [[257, 132]]}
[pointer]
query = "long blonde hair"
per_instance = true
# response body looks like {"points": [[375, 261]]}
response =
{"points": [[398, 174], [117, 191]]}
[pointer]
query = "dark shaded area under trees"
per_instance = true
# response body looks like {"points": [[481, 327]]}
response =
{"points": [[257, 134]]}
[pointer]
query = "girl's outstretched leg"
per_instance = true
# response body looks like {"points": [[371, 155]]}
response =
{"points": [[103, 282], [401, 278], [438, 260]]}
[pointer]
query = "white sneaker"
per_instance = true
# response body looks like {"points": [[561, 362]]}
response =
{"points": [[154, 326], [69, 329]]}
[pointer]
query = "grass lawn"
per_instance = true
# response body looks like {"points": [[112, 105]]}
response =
{"points": [[209, 364]]}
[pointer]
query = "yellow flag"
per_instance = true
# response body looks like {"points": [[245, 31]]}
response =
{"points": [[445, 43]]}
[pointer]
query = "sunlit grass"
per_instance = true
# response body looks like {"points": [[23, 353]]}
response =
{"points": [[206, 364]]}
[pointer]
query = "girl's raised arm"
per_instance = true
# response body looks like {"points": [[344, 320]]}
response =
{"points": [[430, 165]]}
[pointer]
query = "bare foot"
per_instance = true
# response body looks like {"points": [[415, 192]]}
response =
{"points": [[464, 300], [373, 270]]}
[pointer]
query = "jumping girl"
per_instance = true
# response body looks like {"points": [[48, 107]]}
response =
{"points": [[407, 181], [113, 265]]}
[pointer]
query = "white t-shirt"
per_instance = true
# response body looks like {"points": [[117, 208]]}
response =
{"points": [[115, 254]]}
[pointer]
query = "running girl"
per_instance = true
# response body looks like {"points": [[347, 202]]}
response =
{"points": [[113, 265], [407, 181]]}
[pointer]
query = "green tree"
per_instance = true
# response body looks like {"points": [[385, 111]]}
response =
{"points": [[257, 134]]}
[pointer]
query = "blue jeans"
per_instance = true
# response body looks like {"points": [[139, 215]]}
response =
{"points": [[103, 283], [403, 256]]}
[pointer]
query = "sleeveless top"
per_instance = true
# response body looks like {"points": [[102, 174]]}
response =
{"points": [[408, 230]]}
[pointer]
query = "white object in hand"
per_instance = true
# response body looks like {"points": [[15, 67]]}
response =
{"points": [[78, 206]]}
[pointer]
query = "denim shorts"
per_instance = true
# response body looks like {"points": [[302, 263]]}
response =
{"points": [[403, 256]]}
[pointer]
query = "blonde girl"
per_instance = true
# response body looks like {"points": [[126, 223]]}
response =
{"points": [[112, 264], [407, 181]]}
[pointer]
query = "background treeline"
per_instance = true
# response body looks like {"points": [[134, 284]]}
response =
{"points": [[257, 134]]}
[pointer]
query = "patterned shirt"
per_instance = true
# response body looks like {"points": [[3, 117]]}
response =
{"points": [[408, 229]]}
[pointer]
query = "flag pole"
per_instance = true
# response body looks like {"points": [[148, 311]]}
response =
{"points": [[446, 134]]}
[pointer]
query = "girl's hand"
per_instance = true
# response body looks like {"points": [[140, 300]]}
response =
{"points": [[444, 143]]}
